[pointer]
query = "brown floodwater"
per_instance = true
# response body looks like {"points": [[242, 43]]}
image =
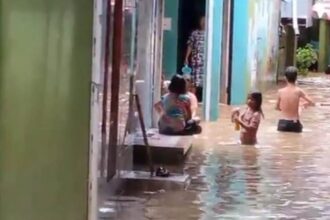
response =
{"points": [[285, 176]]}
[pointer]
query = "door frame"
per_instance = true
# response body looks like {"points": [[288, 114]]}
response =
{"points": [[95, 107], [158, 34], [117, 50], [231, 40], [225, 80]]}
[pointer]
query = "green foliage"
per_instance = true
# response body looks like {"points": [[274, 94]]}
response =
{"points": [[306, 57]]}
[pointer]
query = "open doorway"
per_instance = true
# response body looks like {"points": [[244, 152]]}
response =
{"points": [[190, 14]]}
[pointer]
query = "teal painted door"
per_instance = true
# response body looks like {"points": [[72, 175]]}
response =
{"points": [[170, 44], [45, 69]]}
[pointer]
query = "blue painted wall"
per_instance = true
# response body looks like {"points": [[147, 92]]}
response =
{"points": [[255, 46], [213, 59], [240, 74]]}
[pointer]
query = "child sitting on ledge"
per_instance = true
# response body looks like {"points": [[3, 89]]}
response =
{"points": [[175, 110]]}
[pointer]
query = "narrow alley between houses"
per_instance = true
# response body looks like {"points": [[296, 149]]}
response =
{"points": [[122, 109], [285, 176]]}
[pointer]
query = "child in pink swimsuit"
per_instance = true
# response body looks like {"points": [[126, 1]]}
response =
{"points": [[249, 120]]}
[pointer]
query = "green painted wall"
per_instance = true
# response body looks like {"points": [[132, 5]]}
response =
{"points": [[170, 49], [45, 69], [324, 45]]}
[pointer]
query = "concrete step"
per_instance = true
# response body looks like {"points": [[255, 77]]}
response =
{"points": [[142, 181], [111, 208], [137, 183], [165, 150]]}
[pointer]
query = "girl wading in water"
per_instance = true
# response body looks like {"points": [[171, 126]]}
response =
{"points": [[249, 120]]}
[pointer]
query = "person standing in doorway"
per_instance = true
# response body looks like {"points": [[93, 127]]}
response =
{"points": [[195, 57]]}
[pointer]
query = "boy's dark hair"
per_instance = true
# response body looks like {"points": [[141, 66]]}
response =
{"points": [[257, 97], [178, 85], [291, 74]]}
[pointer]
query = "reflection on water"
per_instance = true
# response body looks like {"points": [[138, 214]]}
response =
{"points": [[286, 176]]}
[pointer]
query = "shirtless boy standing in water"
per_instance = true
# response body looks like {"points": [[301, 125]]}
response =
{"points": [[289, 101]]}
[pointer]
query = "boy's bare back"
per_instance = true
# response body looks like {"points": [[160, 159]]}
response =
{"points": [[289, 97], [289, 101]]}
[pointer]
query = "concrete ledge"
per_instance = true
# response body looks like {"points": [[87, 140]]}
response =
{"points": [[141, 181], [111, 208], [135, 183], [165, 149]]}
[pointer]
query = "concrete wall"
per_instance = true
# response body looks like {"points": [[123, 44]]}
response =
{"points": [[145, 62], [324, 50], [255, 45], [46, 54]]}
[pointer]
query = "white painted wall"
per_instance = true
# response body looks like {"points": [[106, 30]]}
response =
{"points": [[304, 10]]}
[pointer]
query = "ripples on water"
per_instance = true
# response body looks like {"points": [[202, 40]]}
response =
{"points": [[286, 176]]}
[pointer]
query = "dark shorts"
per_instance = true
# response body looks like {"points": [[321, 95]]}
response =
{"points": [[192, 128], [199, 94], [289, 126]]}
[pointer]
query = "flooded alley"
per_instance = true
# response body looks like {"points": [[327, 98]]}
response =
{"points": [[286, 176]]}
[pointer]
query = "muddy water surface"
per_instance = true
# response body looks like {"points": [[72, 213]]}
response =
{"points": [[286, 176]]}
